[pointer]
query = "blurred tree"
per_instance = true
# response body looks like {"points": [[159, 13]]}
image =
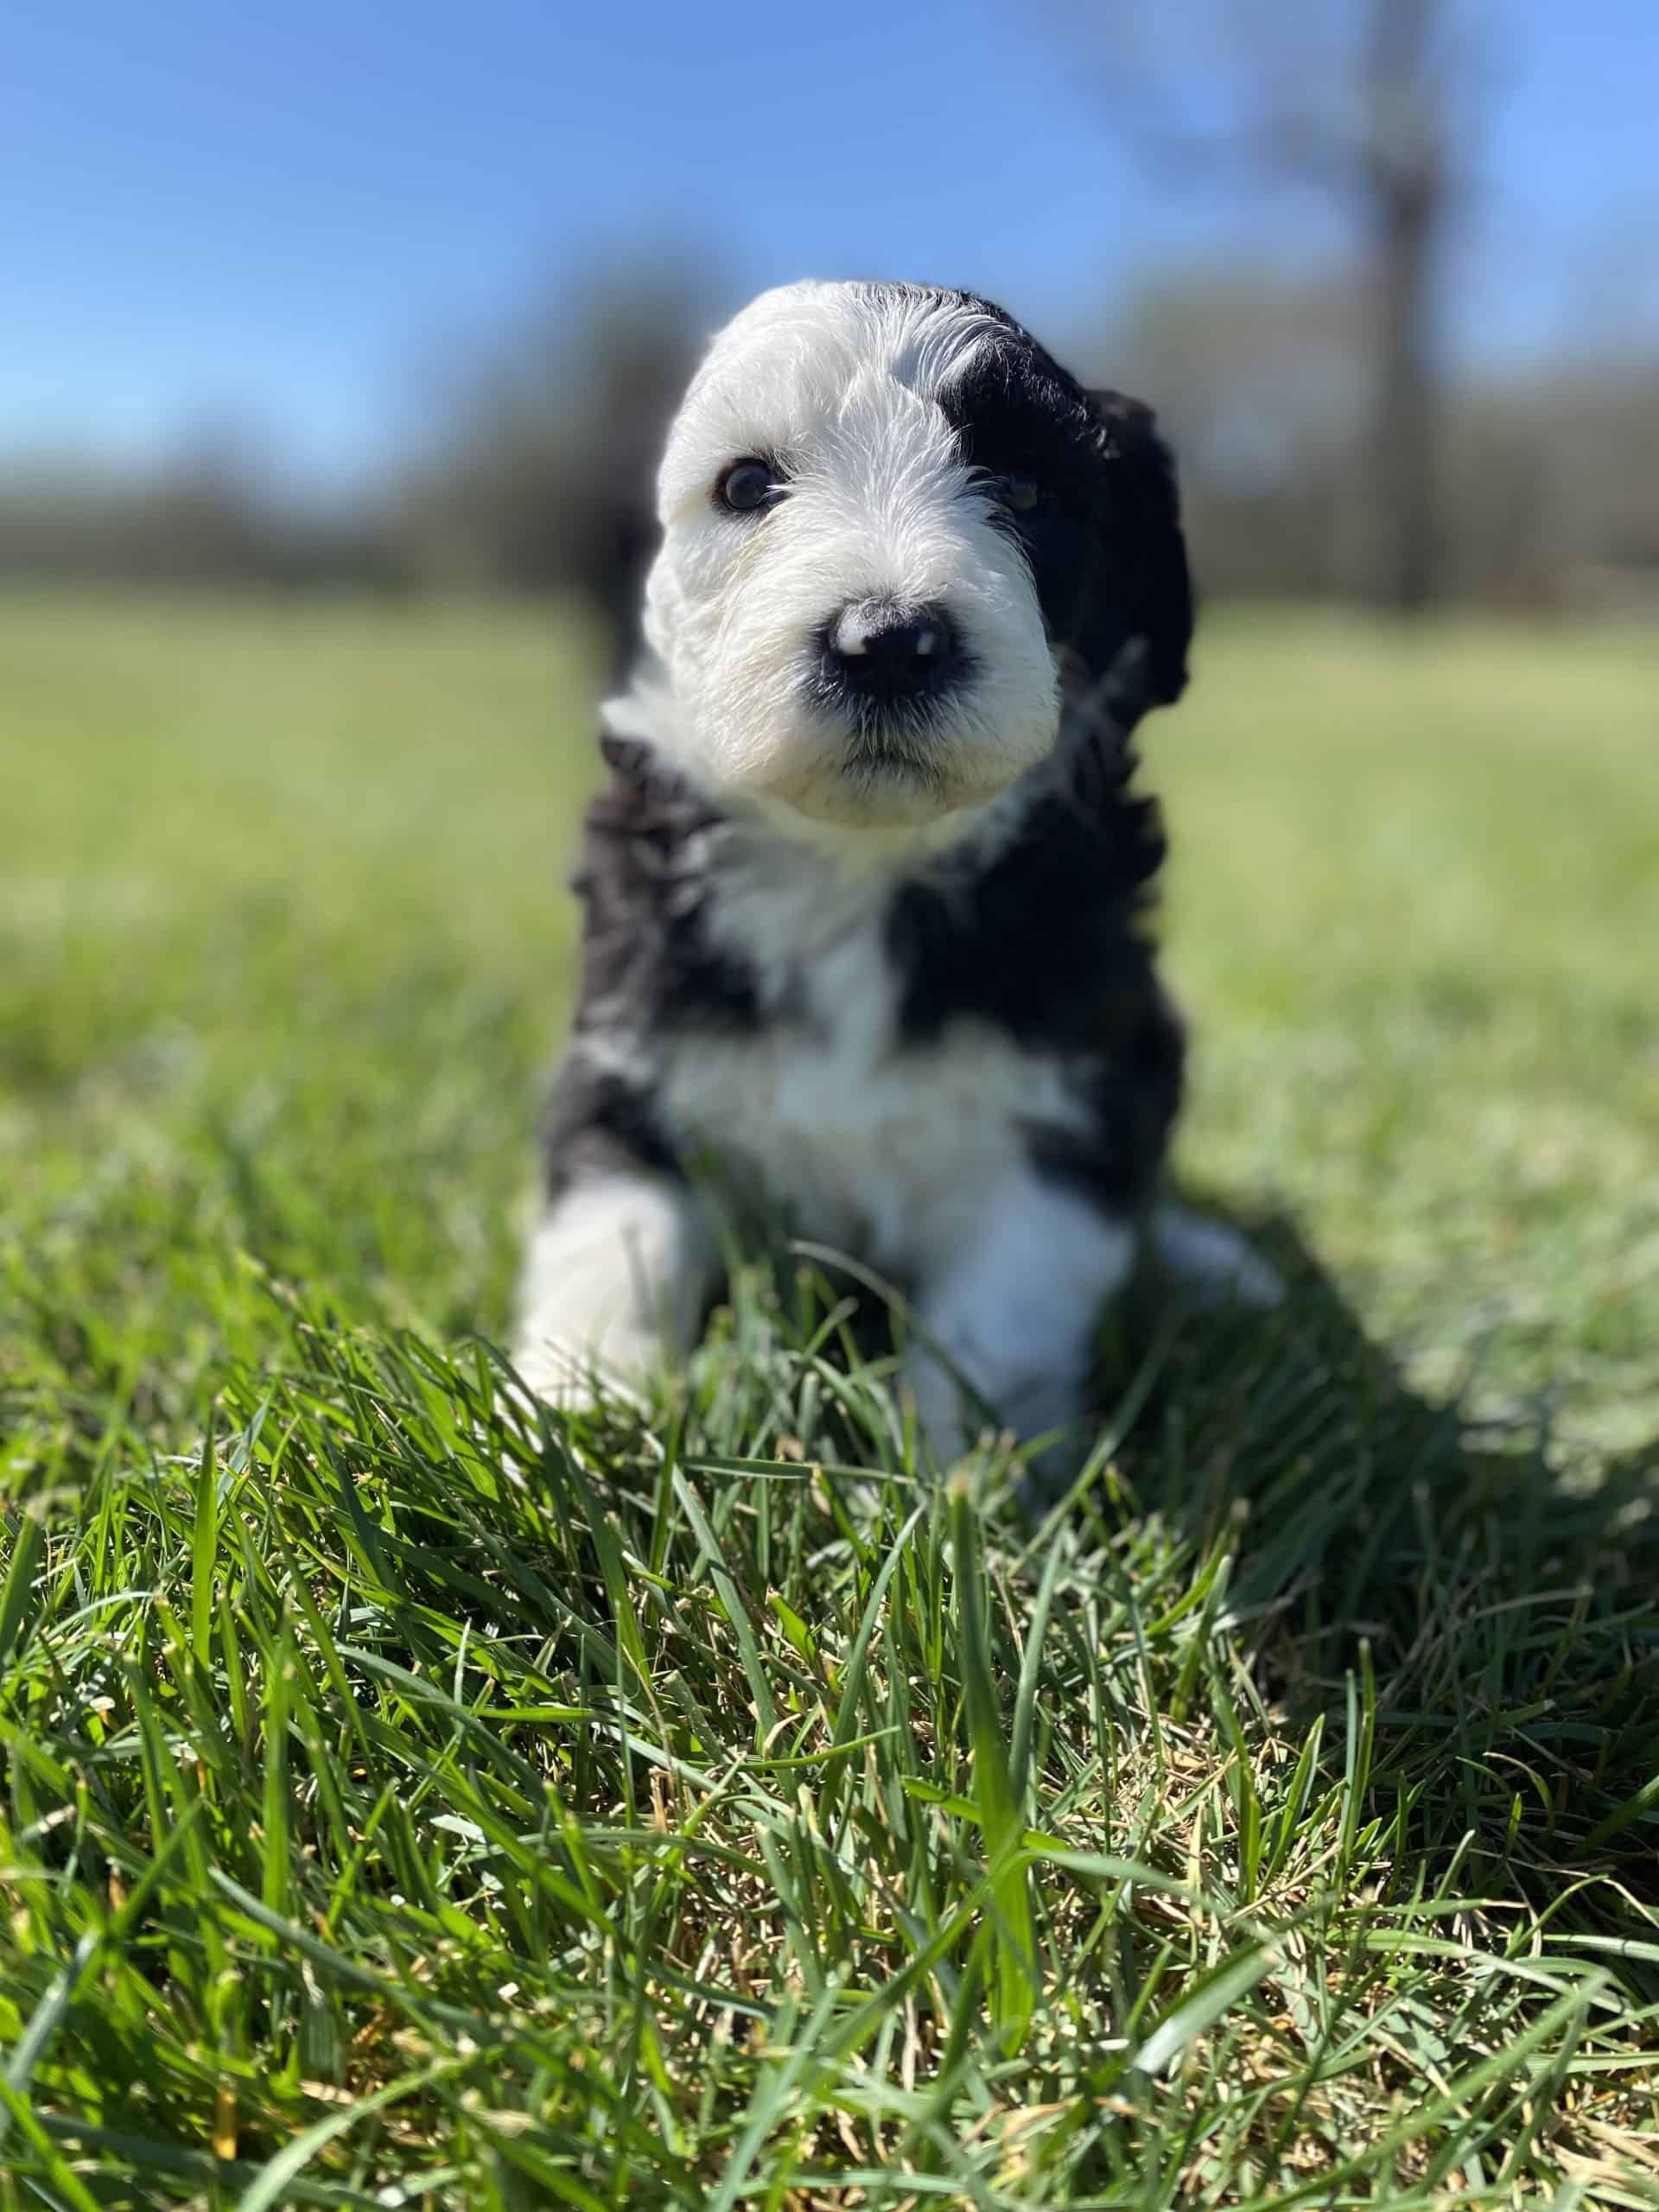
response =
{"points": [[1260, 380], [1370, 106], [534, 471], [216, 511], [539, 473], [1547, 473]]}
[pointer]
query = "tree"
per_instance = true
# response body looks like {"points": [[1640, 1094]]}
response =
{"points": [[1260, 380], [538, 471], [1366, 106]]}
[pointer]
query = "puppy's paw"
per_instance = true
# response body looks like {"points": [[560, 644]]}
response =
{"points": [[544, 1376], [575, 1378], [1209, 1264]]}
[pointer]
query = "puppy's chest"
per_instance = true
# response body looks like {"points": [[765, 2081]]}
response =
{"points": [[824, 1109]]}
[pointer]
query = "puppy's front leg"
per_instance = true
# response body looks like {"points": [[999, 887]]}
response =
{"points": [[619, 1270], [1012, 1306]]}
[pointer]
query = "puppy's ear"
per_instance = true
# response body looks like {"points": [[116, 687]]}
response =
{"points": [[1146, 550]]}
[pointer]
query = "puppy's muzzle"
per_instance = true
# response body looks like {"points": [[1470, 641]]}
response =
{"points": [[879, 653]]}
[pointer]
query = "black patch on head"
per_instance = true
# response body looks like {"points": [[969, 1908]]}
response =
{"points": [[1104, 541]]}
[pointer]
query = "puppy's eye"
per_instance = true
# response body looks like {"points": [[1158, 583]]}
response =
{"points": [[1020, 492], [748, 485]]}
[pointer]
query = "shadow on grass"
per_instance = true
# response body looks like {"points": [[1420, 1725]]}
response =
{"points": [[1488, 1619], [1506, 1610]]}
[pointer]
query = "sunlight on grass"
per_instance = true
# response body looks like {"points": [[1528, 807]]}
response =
{"points": [[1413, 905], [407, 1805]]}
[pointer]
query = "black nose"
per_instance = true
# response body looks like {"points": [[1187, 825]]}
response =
{"points": [[879, 651]]}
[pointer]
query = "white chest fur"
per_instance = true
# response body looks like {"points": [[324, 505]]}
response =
{"points": [[883, 1149]]}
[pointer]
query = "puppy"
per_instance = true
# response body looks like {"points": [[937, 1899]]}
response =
{"points": [[865, 894]]}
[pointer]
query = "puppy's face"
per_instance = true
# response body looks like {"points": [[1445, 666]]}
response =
{"points": [[893, 528]]}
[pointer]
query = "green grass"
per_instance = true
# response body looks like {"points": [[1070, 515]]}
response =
{"points": [[406, 1806]]}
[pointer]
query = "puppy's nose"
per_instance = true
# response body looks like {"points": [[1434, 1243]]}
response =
{"points": [[883, 651]]}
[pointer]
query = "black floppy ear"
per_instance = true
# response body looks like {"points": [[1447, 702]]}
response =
{"points": [[1146, 553]]}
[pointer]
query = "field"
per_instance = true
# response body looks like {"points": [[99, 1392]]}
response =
{"points": [[406, 1806]]}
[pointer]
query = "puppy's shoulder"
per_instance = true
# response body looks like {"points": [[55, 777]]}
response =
{"points": [[1045, 935], [649, 957]]}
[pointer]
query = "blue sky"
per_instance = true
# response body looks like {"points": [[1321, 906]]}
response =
{"points": [[289, 214]]}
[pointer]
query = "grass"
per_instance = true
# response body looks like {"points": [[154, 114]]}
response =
{"points": [[406, 1805]]}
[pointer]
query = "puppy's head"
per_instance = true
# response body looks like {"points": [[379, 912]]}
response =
{"points": [[893, 529]]}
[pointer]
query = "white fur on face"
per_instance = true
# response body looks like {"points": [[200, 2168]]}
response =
{"points": [[838, 385]]}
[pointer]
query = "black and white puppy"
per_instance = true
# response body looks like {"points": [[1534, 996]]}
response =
{"points": [[864, 895]]}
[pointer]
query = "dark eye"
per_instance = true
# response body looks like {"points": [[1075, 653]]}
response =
{"points": [[748, 485], [1022, 492]]}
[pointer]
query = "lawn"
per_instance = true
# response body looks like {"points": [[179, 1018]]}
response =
{"points": [[405, 1804]]}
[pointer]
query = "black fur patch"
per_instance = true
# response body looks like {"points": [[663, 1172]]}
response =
{"points": [[1046, 941], [1104, 541], [647, 965], [1135, 1098], [643, 881], [597, 1123]]}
